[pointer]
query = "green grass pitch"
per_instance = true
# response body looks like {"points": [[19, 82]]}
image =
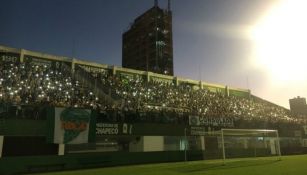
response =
{"points": [[289, 165]]}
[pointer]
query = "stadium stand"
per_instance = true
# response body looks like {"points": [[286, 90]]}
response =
{"points": [[135, 116], [35, 82]]}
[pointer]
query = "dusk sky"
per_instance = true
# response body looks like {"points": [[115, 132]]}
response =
{"points": [[214, 40]]}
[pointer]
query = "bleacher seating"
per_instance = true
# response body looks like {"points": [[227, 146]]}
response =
{"points": [[36, 83]]}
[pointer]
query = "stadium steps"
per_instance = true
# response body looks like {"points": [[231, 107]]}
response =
{"points": [[94, 85]]}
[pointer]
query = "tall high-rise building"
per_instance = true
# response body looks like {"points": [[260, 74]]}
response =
{"points": [[148, 44], [298, 105]]}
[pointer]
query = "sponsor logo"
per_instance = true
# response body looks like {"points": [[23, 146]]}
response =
{"points": [[208, 121], [194, 120], [113, 128], [106, 129], [73, 122]]}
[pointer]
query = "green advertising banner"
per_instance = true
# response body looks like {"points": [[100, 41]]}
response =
{"points": [[71, 125]]}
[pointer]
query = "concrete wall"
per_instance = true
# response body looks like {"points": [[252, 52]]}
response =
{"points": [[137, 145], [147, 144], [153, 143]]}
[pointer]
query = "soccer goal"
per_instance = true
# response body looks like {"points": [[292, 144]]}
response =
{"points": [[238, 143]]}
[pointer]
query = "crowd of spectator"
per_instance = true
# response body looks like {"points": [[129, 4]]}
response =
{"points": [[40, 83], [151, 97], [51, 83]]}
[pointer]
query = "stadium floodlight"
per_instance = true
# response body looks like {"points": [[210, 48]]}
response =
{"points": [[259, 137]]}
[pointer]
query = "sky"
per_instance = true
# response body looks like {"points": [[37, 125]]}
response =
{"points": [[212, 39]]}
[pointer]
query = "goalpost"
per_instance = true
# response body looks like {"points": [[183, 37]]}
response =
{"points": [[267, 140]]}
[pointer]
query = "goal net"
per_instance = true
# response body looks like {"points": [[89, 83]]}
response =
{"points": [[239, 143]]}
